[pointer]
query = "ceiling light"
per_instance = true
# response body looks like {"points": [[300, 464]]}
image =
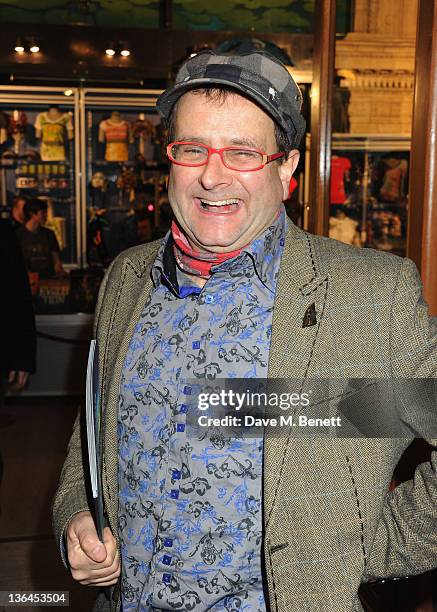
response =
{"points": [[110, 51], [125, 52], [19, 48], [34, 48]]}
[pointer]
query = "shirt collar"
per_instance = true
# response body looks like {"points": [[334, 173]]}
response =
{"points": [[264, 254]]}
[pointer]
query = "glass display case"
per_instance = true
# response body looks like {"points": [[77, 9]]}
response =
{"points": [[369, 191], [124, 181], [39, 159], [94, 158]]}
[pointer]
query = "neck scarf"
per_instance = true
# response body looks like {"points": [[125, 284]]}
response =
{"points": [[194, 262]]}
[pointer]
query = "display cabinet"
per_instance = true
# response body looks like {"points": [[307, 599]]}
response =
{"points": [[124, 174], [369, 190], [95, 157], [39, 157]]}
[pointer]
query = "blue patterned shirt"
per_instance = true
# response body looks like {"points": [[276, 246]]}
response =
{"points": [[190, 508]]}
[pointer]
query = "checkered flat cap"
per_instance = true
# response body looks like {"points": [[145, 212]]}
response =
{"points": [[258, 75]]}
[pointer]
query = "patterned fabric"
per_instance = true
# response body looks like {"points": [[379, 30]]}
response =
{"points": [[259, 75], [53, 135], [190, 508], [117, 139], [194, 262]]}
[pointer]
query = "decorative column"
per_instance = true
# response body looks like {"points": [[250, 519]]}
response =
{"points": [[376, 64]]}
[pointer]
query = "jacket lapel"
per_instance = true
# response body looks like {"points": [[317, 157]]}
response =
{"points": [[132, 293], [297, 319]]}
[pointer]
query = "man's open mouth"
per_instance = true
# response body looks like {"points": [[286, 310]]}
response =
{"points": [[219, 206]]}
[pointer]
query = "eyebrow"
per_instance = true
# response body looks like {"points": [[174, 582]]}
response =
{"points": [[244, 142]]}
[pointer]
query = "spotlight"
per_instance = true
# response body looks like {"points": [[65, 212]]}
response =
{"points": [[19, 48], [33, 45], [125, 52], [110, 51], [150, 207], [68, 92]]}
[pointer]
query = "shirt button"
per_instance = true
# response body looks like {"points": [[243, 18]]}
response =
{"points": [[196, 345], [180, 427], [166, 559], [209, 298], [168, 542], [183, 409], [166, 578], [174, 494], [176, 474]]}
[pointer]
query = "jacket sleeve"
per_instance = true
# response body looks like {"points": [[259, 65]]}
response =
{"points": [[406, 536], [71, 495]]}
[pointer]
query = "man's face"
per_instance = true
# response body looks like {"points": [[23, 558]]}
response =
{"points": [[257, 195], [41, 216]]}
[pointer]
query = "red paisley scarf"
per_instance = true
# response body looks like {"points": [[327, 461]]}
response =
{"points": [[195, 262]]}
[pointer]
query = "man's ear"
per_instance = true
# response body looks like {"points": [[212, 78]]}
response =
{"points": [[286, 170]]}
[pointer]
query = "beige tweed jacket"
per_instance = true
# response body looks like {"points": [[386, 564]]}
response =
{"points": [[330, 522]]}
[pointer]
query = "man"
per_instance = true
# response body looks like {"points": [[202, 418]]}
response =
{"points": [[38, 243], [221, 523], [17, 212]]}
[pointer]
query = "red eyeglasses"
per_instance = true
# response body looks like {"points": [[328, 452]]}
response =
{"points": [[193, 154]]}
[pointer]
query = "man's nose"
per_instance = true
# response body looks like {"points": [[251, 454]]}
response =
{"points": [[215, 173]]}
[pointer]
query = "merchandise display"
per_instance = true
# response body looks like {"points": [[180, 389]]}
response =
{"points": [[17, 129], [124, 180], [369, 191], [38, 160], [116, 133], [54, 128], [340, 173], [344, 229]]}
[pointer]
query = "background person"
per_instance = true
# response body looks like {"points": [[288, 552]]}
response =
{"points": [[17, 320], [17, 212], [38, 243]]}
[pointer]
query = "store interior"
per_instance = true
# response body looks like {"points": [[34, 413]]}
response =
{"points": [[79, 132]]}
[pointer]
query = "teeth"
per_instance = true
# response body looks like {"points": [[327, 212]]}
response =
{"points": [[219, 202]]}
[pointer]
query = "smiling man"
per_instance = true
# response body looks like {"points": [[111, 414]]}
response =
{"points": [[235, 290]]}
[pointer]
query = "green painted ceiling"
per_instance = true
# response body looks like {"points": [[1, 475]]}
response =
{"points": [[242, 15]]}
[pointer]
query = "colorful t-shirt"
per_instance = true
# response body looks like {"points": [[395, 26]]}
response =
{"points": [[117, 140], [54, 134], [339, 168]]}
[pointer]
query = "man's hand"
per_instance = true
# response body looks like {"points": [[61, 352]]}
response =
{"points": [[91, 562], [17, 379]]}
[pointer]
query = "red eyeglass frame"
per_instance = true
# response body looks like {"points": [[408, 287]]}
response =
{"points": [[266, 159]]}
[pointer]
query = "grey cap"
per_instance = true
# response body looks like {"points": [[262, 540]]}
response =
{"points": [[258, 75]]}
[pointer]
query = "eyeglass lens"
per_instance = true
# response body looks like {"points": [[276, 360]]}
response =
{"points": [[244, 159]]}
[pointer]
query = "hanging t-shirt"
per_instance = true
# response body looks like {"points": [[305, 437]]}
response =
{"points": [[344, 230], [54, 134], [339, 167], [117, 140], [394, 178]]}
